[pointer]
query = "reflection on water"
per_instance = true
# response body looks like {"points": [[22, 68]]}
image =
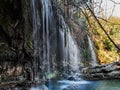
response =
{"points": [[85, 85]]}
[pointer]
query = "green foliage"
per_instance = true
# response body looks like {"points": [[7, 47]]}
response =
{"points": [[51, 75], [86, 54], [106, 51]]}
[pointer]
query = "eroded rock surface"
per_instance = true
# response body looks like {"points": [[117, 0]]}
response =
{"points": [[108, 71]]}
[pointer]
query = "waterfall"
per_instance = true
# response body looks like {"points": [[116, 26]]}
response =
{"points": [[46, 41], [71, 52], [41, 26], [54, 46], [35, 37], [74, 54], [93, 54]]}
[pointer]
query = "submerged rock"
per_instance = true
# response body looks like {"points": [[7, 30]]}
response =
{"points": [[74, 77], [107, 71], [73, 87], [42, 87], [71, 78]]}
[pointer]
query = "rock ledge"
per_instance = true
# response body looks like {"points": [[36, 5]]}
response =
{"points": [[107, 71]]}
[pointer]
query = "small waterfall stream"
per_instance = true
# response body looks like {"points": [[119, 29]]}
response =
{"points": [[93, 55], [71, 51], [36, 38], [45, 28]]}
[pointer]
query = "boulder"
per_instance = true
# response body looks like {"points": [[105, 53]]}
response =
{"points": [[74, 77]]}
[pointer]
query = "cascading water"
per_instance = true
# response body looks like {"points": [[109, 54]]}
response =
{"points": [[46, 41], [53, 43], [72, 57], [93, 55], [74, 54], [37, 38]]}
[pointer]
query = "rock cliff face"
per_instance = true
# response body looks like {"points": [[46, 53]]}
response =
{"points": [[108, 71], [16, 49]]}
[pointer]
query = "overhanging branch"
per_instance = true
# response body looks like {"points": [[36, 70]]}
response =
{"points": [[101, 26]]}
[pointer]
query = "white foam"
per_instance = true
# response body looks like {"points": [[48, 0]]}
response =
{"points": [[73, 82]]}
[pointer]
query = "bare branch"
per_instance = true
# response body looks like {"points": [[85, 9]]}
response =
{"points": [[102, 27], [108, 21], [115, 2]]}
